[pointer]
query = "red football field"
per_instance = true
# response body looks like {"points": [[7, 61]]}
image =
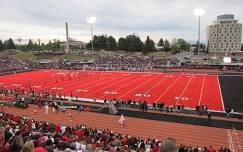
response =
{"points": [[172, 89]]}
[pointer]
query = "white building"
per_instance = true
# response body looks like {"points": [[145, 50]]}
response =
{"points": [[74, 44], [224, 35]]}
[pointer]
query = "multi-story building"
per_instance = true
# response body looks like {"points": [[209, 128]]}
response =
{"points": [[224, 35]]}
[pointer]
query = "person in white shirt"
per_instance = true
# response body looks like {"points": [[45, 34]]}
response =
{"points": [[63, 129], [46, 108], [121, 121]]}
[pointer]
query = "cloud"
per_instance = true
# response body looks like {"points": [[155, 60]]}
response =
{"points": [[158, 18]]}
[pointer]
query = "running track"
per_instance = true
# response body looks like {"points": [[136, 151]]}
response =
{"points": [[173, 89]]}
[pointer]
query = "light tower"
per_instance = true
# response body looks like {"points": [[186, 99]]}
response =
{"points": [[199, 12], [91, 20]]}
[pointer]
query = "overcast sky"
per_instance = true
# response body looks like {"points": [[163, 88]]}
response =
{"points": [[169, 19]]}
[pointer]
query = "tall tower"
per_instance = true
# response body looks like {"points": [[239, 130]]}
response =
{"points": [[224, 35], [67, 38]]}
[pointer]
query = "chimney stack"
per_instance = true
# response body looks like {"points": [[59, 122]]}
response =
{"points": [[67, 38]]}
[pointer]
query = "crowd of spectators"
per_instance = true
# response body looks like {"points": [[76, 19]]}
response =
{"points": [[130, 63], [100, 62], [22, 134], [109, 63], [10, 64]]}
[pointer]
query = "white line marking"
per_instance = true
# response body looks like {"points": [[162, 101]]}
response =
{"points": [[104, 88], [156, 84], [200, 98], [183, 90], [148, 80], [168, 88], [99, 109], [222, 100], [135, 80], [99, 82]]}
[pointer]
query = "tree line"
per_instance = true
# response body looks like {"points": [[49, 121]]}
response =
{"points": [[30, 46], [133, 43], [7, 45]]}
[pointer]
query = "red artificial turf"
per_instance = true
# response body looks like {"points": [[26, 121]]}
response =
{"points": [[172, 89]]}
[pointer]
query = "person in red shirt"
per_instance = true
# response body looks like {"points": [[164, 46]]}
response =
{"points": [[211, 149], [156, 148], [58, 128], [79, 134]]}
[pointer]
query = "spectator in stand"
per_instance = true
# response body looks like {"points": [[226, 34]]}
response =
{"points": [[28, 147], [103, 63], [3, 146], [211, 149], [50, 137], [10, 64], [168, 145], [17, 143], [49, 146], [156, 147]]}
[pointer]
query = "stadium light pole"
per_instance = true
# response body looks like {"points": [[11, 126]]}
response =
{"points": [[198, 12], [91, 20]]}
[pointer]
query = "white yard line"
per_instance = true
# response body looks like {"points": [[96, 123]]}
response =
{"points": [[222, 100], [122, 86], [200, 98], [105, 87], [168, 89], [137, 87], [184, 90], [162, 80], [100, 82]]}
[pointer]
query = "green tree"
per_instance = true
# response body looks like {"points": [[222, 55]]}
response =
{"points": [[134, 43], [148, 45], [1, 46], [49, 46], [178, 45], [43, 46], [6, 45], [161, 42], [101, 42], [30, 45], [241, 47], [175, 46], [36, 47], [183, 45], [56, 45], [9, 44], [122, 44], [111, 43], [166, 45], [139, 44]]}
